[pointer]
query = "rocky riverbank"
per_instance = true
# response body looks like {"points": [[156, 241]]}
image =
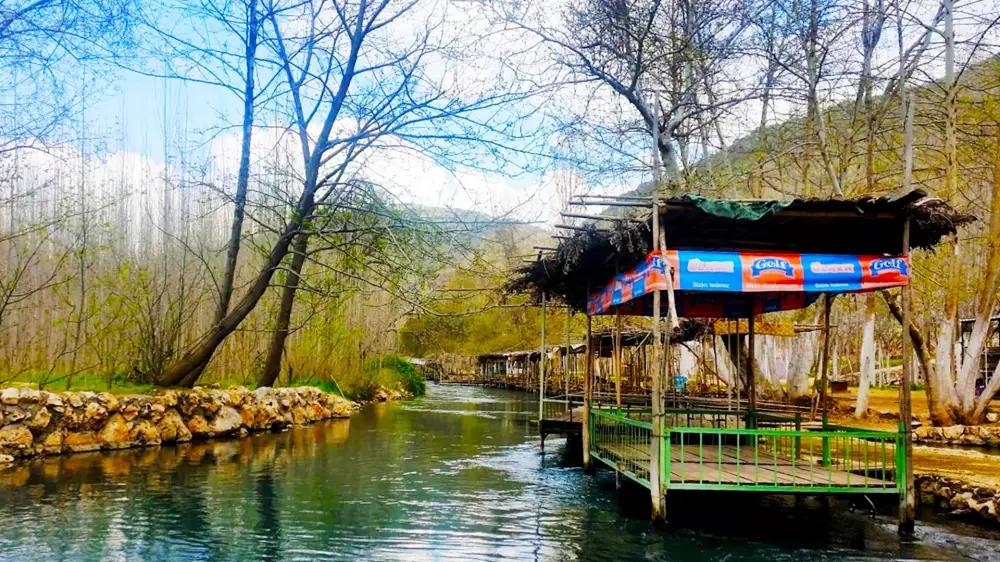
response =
{"points": [[973, 435], [960, 499], [34, 423]]}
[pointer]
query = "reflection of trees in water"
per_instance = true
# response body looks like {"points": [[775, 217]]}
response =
{"points": [[159, 502], [268, 519]]}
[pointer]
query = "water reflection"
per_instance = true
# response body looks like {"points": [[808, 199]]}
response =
{"points": [[454, 476]]}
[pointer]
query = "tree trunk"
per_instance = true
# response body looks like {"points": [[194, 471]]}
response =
{"points": [[196, 359], [867, 360], [940, 414], [272, 364], [243, 178]]}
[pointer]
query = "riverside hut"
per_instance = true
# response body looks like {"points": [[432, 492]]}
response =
{"points": [[700, 258]]}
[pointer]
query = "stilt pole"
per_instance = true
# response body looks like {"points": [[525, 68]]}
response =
{"points": [[657, 493], [907, 508], [569, 353], [541, 370], [824, 382], [751, 379], [618, 359], [588, 370]]}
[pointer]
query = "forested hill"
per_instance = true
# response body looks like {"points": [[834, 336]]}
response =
{"points": [[790, 158], [470, 313]]}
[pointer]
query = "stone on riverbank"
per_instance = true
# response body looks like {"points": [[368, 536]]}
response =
{"points": [[977, 435], [36, 422], [959, 498]]}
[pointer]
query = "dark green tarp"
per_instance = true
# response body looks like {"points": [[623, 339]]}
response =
{"points": [[747, 210]]}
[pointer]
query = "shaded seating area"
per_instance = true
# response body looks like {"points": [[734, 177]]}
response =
{"points": [[693, 260]]}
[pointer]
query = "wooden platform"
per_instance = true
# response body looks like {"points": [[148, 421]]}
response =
{"points": [[729, 467], [569, 423]]}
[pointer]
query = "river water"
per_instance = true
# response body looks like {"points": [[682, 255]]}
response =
{"points": [[456, 475]]}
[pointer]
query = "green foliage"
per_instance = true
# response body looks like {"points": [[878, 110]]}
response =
{"points": [[402, 371], [115, 382], [389, 371]]}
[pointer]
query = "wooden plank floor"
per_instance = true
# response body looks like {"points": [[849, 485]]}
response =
{"points": [[729, 465]]}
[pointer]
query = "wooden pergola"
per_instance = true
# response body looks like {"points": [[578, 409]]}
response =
{"points": [[695, 257]]}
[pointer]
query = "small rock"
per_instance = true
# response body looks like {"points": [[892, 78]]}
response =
{"points": [[6, 459], [110, 401], [53, 400], [953, 432], [171, 427], [115, 433], [41, 419], [144, 433], [53, 442], [10, 396], [129, 412], [226, 421], [198, 426], [15, 436], [15, 414], [79, 441], [94, 413]]}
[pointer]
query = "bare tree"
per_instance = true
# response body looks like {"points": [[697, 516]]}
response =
{"points": [[679, 56], [351, 88]]}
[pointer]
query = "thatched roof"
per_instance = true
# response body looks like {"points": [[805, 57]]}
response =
{"points": [[589, 258]]}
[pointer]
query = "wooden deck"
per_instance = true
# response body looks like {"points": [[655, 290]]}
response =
{"points": [[722, 466], [568, 423]]}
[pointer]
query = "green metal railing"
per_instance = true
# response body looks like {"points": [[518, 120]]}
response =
{"points": [[621, 442], [778, 460], [739, 450]]}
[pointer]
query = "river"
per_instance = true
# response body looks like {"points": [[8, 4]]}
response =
{"points": [[455, 475]]}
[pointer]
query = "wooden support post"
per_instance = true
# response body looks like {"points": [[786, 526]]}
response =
{"points": [[907, 508], [566, 370], [588, 370], [751, 379], [656, 444], [617, 361], [541, 371], [824, 382]]}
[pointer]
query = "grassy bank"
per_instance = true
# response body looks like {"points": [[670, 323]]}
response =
{"points": [[389, 372]]}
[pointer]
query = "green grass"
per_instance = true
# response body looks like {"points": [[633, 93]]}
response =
{"points": [[389, 371], [95, 382]]}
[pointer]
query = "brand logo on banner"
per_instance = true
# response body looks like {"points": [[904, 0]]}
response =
{"points": [[885, 271], [709, 271], [882, 266], [760, 265], [704, 266], [772, 272], [820, 268], [831, 273]]}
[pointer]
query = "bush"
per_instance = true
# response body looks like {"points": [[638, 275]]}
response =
{"points": [[393, 371]]}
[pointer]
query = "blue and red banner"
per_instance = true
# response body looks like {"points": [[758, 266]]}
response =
{"points": [[777, 281]]}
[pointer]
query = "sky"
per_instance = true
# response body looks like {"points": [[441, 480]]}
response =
{"points": [[158, 119]]}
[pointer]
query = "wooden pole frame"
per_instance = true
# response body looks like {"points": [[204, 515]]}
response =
{"points": [[541, 371], [751, 379], [824, 374], [657, 490], [907, 506], [617, 364], [587, 392]]}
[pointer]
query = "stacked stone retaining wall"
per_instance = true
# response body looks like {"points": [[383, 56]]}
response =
{"points": [[34, 422]]}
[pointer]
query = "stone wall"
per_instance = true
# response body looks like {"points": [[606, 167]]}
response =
{"points": [[34, 422], [977, 435], [959, 498]]}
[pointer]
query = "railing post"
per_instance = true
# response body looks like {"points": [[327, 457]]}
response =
{"points": [[797, 442], [826, 442]]}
